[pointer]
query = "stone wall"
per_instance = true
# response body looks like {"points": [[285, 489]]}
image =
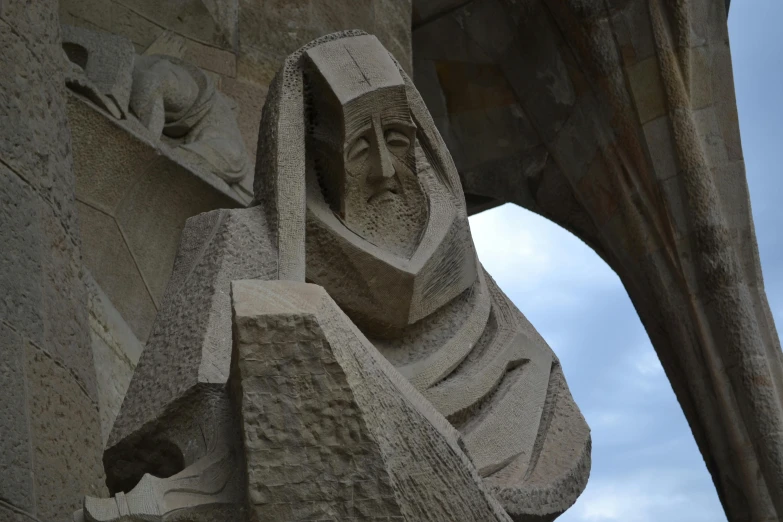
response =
{"points": [[50, 438], [241, 42]]}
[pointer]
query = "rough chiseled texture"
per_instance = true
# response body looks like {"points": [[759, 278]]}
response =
{"points": [[331, 430], [189, 351], [50, 435]]}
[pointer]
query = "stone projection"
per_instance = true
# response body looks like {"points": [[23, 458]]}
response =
{"points": [[173, 100], [336, 351]]}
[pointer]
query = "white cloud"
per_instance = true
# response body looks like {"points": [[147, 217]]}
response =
{"points": [[647, 496], [643, 371], [648, 364], [642, 471], [509, 247], [626, 501], [528, 253]]}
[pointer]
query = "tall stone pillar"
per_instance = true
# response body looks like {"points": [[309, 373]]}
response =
{"points": [[50, 439]]}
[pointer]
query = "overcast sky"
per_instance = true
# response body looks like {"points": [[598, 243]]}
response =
{"points": [[646, 466]]}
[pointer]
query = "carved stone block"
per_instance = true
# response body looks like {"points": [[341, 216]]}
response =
{"points": [[331, 430]]}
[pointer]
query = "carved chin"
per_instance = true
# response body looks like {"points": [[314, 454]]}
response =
{"points": [[390, 224], [381, 291], [392, 219]]}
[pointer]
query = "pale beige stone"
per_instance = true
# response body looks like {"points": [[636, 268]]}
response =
{"points": [[135, 196], [177, 102], [461, 348], [180, 101], [330, 428]]}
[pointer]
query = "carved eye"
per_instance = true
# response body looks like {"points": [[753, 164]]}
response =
{"points": [[397, 141], [359, 149]]}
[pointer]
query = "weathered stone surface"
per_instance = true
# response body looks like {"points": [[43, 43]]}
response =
{"points": [[103, 180], [206, 21], [16, 458], [65, 439], [66, 333], [30, 145], [177, 100], [21, 304], [135, 197], [190, 345], [10, 513], [107, 61], [112, 264], [635, 104], [219, 61], [116, 351], [330, 428], [239, 39], [607, 89], [250, 97], [48, 403]]}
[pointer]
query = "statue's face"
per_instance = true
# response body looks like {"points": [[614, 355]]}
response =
{"points": [[380, 197], [383, 200], [387, 235]]}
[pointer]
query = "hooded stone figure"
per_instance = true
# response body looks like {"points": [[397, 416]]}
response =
{"points": [[401, 364]]}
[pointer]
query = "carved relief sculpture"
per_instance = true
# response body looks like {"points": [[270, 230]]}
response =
{"points": [[337, 351], [176, 102]]}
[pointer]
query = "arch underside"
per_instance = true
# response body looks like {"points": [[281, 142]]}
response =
{"points": [[618, 122]]}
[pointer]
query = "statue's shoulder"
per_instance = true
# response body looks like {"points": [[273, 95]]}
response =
{"points": [[237, 242], [190, 341]]}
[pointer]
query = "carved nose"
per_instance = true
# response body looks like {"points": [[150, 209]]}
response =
{"points": [[385, 169], [383, 166]]}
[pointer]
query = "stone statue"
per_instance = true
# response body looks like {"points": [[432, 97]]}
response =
{"points": [[176, 102], [179, 101], [620, 124], [337, 351]]}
